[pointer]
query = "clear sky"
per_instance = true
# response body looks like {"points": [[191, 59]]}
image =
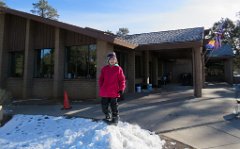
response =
{"points": [[139, 16]]}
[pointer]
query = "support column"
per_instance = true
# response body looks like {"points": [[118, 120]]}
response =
{"points": [[155, 71], [102, 49], [228, 71], [146, 64], [58, 66], [28, 62], [203, 71], [197, 71], [3, 53], [131, 72]]}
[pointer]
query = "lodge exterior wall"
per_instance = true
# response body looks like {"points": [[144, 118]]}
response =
{"points": [[80, 89], [43, 35], [24, 34], [42, 88], [16, 33], [15, 86], [20, 34]]}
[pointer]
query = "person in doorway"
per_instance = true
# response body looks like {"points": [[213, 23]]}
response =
{"points": [[112, 85]]}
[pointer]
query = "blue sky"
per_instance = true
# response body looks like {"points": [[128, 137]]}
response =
{"points": [[138, 15]]}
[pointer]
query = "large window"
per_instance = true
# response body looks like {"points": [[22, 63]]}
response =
{"points": [[17, 64], [80, 62], [44, 63]]}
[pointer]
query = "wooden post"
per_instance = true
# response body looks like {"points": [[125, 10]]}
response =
{"points": [[58, 65], [28, 62], [155, 70], [203, 71], [102, 49], [131, 72], [3, 66], [146, 72], [197, 71]]}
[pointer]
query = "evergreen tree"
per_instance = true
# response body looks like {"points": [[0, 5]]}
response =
{"points": [[43, 9], [230, 35], [236, 60], [237, 33], [108, 31], [227, 28], [122, 32], [2, 3]]}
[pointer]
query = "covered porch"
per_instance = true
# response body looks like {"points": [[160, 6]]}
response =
{"points": [[170, 57], [168, 64]]}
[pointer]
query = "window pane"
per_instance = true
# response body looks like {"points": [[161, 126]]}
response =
{"points": [[17, 64], [80, 61], [44, 65], [92, 62]]}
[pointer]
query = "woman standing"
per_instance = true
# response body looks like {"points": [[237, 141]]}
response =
{"points": [[112, 85]]}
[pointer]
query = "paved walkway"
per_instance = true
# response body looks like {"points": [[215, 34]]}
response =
{"points": [[205, 122]]}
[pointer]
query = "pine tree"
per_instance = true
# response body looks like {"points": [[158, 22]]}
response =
{"points": [[43, 9], [230, 35], [236, 60], [2, 3], [122, 32]]}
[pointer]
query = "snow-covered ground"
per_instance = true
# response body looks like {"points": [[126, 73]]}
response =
{"points": [[47, 132]]}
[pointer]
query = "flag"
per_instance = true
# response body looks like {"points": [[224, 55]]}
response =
{"points": [[211, 44]]}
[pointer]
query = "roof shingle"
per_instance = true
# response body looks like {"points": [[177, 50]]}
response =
{"points": [[224, 51], [171, 36]]}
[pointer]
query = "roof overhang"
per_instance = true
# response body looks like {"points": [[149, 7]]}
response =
{"points": [[165, 46], [220, 58], [85, 31]]}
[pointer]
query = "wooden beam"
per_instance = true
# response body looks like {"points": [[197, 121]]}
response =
{"points": [[58, 66], [197, 71], [85, 31], [2, 52], [28, 62], [169, 46]]}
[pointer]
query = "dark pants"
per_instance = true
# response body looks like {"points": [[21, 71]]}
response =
{"points": [[110, 106]]}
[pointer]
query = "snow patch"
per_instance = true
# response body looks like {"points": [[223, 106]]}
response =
{"points": [[48, 132]]}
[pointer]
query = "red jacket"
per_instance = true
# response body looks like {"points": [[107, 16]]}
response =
{"points": [[111, 81]]}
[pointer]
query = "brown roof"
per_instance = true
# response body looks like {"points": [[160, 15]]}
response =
{"points": [[85, 31]]}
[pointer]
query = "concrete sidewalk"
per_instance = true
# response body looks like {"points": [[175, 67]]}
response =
{"points": [[204, 122], [221, 135]]}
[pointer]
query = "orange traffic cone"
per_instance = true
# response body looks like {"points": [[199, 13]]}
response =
{"points": [[66, 104]]}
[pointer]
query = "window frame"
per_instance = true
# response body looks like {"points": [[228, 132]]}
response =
{"points": [[13, 64], [39, 65], [70, 73]]}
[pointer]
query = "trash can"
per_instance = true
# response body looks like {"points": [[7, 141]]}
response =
{"points": [[149, 87], [138, 88]]}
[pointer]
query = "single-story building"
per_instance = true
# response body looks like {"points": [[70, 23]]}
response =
{"points": [[40, 58]]}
